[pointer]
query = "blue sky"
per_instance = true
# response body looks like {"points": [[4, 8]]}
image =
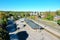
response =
{"points": [[29, 5]]}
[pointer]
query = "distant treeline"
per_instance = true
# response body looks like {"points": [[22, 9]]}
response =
{"points": [[26, 14], [22, 14]]}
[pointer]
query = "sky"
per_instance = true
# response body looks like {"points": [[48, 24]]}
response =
{"points": [[29, 5]]}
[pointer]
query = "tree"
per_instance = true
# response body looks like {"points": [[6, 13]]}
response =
{"points": [[58, 13], [4, 34], [50, 17]]}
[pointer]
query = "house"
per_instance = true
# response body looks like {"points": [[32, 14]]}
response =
{"points": [[34, 13], [56, 18]]}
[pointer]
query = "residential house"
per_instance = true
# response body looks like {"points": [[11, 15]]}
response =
{"points": [[56, 18]]}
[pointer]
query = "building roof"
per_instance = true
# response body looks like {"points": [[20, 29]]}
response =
{"points": [[57, 16]]}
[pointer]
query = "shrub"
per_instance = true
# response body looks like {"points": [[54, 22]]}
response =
{"points": [[4, 34], [50, 17], [58, 22]]}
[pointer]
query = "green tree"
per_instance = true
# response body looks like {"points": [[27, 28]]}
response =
{"points": [[58, 12], [50, 17], [4, 34]]}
